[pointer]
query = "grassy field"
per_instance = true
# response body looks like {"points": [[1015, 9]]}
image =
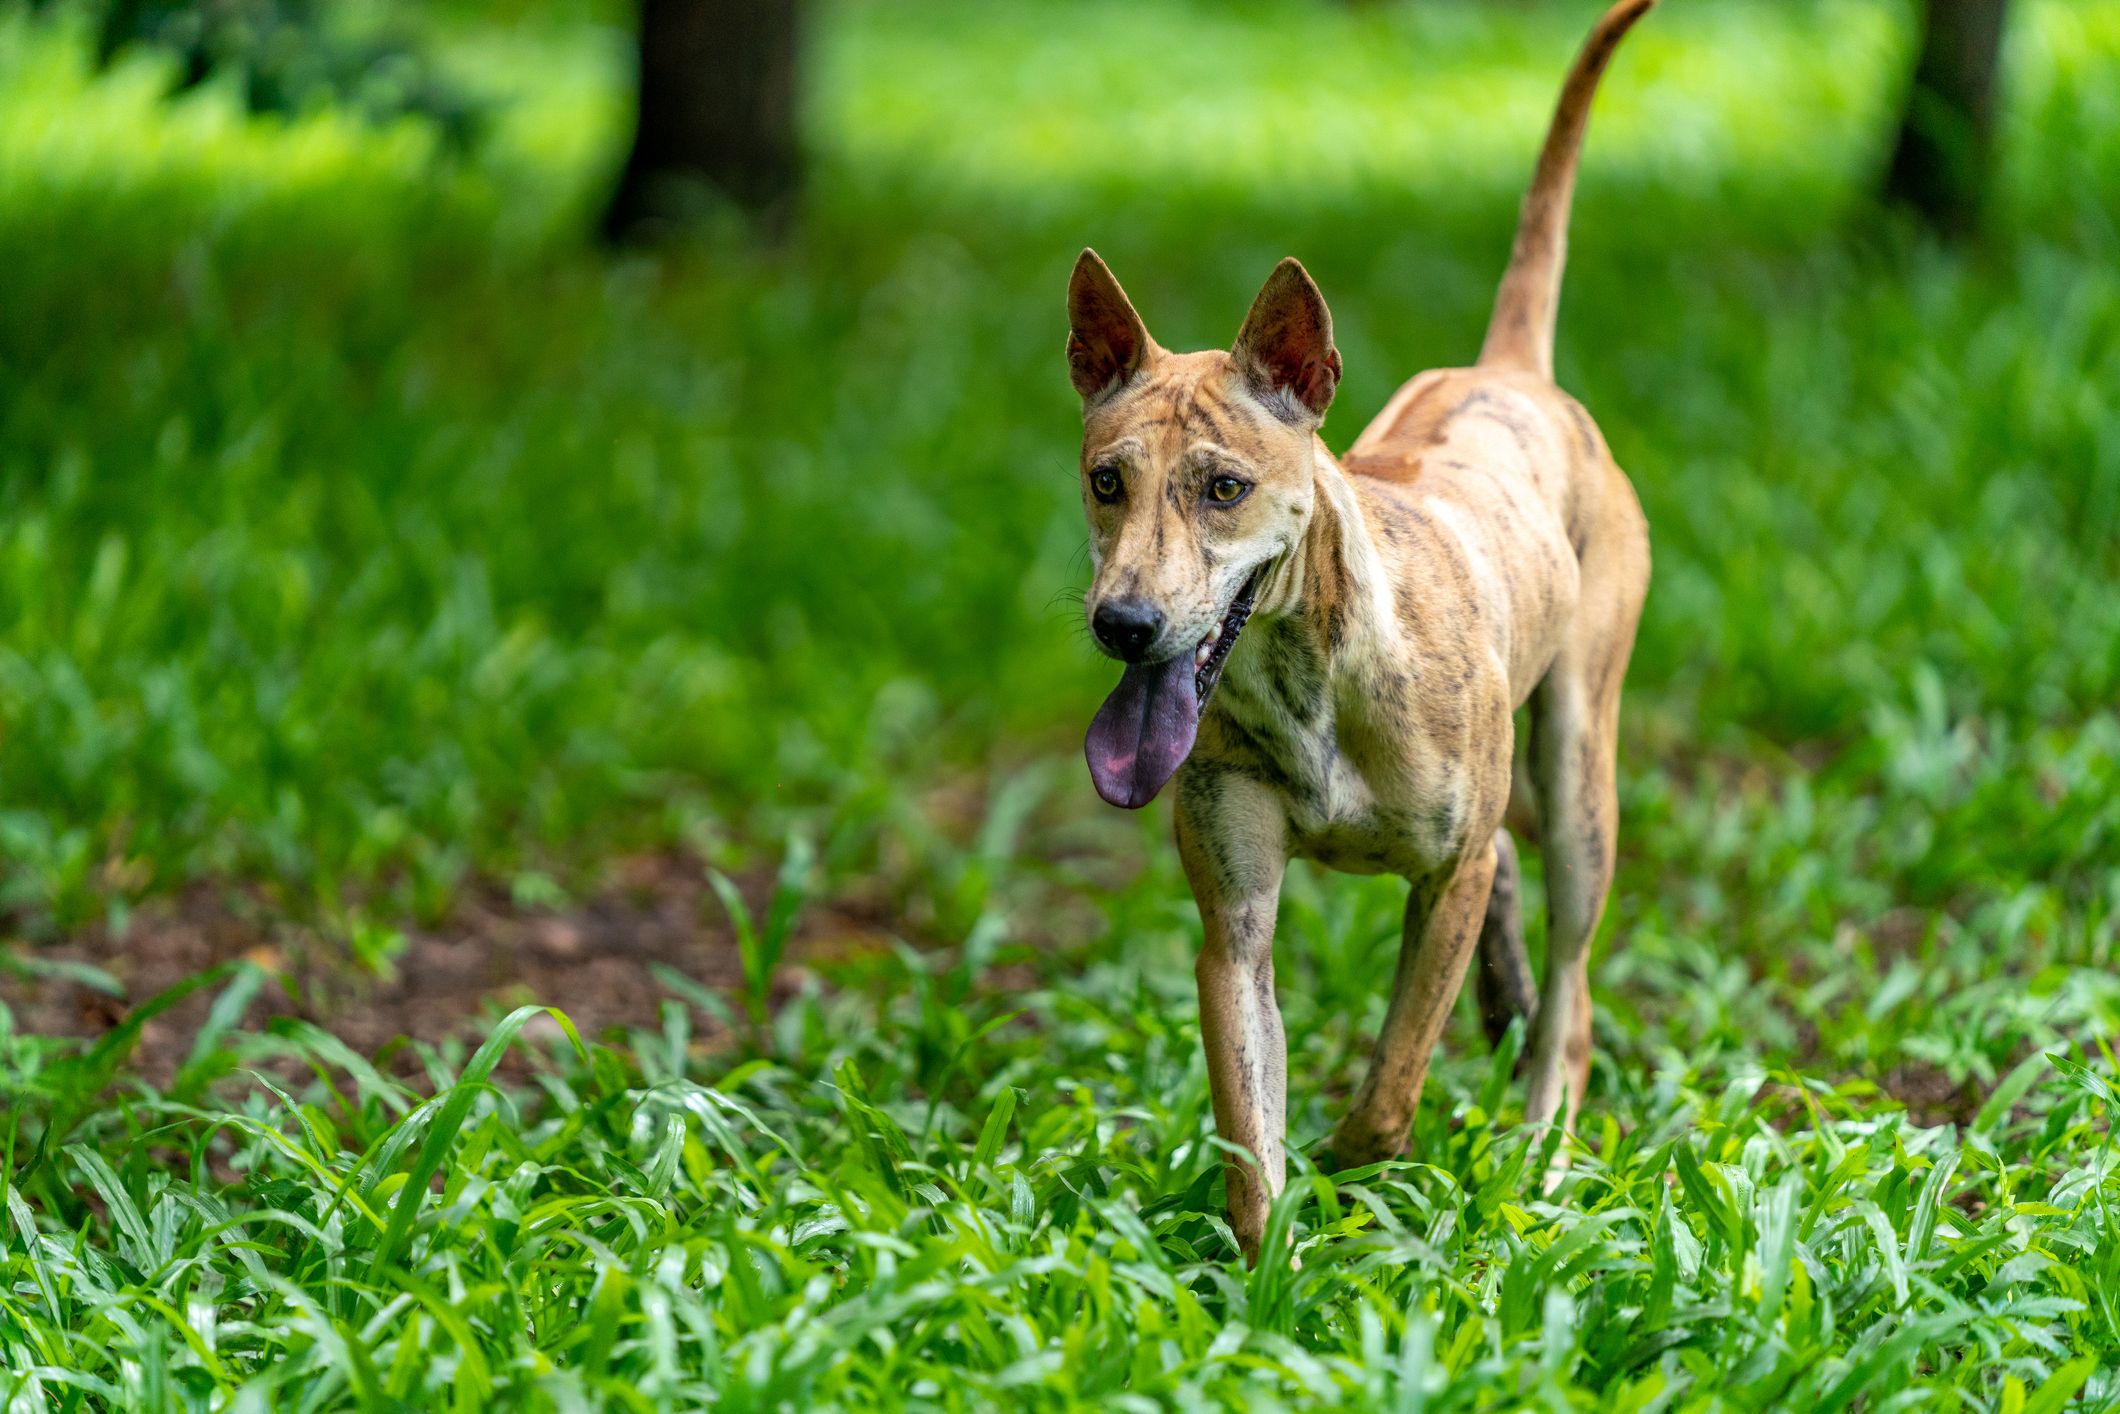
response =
{"points": [[366, 537]]}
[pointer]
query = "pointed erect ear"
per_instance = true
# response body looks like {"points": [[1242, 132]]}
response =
{"points": [[1284, 351], [1106, 341]]}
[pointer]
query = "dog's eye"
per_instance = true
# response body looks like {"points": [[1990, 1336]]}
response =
{"points": [[1105, 482], [1227, 490]]}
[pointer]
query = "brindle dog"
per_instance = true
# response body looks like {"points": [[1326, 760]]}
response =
{"points": [[1476, 549]]}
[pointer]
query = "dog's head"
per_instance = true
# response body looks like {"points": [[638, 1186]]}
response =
{"points": [[1197, 475]]}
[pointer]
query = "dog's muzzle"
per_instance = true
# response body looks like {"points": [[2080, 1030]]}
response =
{"points": [[1145, 729]]}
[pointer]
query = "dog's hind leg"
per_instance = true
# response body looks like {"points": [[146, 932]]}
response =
{"points": [[1575, 753], [1231, 839], [1443, 919], [1504, 983], [1575, 744]]}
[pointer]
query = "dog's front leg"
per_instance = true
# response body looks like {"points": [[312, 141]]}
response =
{"points": [[1231, 837], [1442, 925]]}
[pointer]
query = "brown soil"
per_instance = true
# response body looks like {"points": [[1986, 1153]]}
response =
{"points": [[1931, 1097], [593, 959]]}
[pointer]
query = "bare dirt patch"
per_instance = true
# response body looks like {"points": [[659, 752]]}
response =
{"points": [[595, 959]]}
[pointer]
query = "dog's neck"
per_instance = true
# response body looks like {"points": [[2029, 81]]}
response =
{"points": [[1331, 581]]}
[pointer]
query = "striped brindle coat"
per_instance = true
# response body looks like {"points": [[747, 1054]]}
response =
{"points": [[1476, 549]]}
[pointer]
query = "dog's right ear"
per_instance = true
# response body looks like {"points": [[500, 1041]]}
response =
{"points": [[1106, 341], [1284, 351]]}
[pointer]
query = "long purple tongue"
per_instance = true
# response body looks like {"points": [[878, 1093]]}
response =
{"points": [[1143, 731]]}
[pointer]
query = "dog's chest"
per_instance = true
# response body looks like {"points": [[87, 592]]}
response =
{"points": [[1361, 786]]}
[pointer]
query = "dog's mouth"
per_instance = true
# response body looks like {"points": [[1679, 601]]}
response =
{"points": [[1212, 654], [1145, 729]]}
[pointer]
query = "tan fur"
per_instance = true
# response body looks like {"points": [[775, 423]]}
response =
{"points": [[1476, 549]]}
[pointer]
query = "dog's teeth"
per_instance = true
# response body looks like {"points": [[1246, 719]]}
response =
{"points": [[1214, 635], [1202, 654]]}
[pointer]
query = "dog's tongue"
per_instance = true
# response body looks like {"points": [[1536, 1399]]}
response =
{"points": [[1143, 731]]}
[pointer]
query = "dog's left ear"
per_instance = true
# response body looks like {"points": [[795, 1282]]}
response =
{"points": [[1106, 341], [1284, 352]]}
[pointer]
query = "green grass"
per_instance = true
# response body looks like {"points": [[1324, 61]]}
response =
{"points": [[363, 533]]}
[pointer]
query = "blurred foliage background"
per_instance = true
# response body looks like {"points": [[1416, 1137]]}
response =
{"points": [[365, 525]]}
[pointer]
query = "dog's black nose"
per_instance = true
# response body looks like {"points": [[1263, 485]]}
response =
{"points": [[1127, 626]]}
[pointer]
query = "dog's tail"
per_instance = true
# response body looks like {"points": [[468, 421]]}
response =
{"points": [[1521, 333]]}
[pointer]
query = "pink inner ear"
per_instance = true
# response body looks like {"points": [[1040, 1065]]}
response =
{"points": [[1285, 347], [1299, 368], [1103, 345], [1106, 341], [1295, 356]]}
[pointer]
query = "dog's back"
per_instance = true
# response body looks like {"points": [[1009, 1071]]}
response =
{"points": [[1513, 464]]}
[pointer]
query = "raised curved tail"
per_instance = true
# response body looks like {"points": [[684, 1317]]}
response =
{"points": [[1521, 333]]}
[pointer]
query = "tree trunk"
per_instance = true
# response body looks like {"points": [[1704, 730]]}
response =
{"points": [[1941, 163], [717, 114]]}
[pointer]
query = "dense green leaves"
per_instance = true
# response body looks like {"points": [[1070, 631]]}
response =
{"points": [[781, 1238], [285, 56]]}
